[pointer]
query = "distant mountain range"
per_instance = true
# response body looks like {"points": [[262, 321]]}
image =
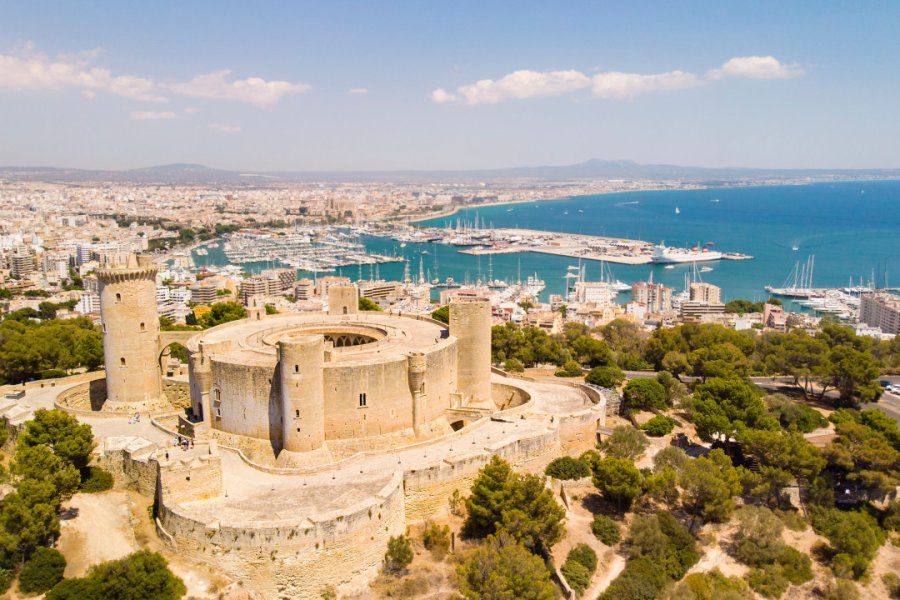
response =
{"points": [[184, 173]]}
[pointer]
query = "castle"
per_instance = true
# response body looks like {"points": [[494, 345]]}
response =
{"points": [[317, 436]]}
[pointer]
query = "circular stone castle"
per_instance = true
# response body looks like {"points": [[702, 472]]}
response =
{"points": [[302, 389], [315, 436]]}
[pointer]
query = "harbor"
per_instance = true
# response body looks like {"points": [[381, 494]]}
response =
{"points": [[479, 240]]}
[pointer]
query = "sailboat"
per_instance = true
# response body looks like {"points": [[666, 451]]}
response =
{"points": [[606, 276], [677, 211]]}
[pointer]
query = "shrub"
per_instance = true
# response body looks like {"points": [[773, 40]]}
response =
{"points": [[607, 377], [711, 585], [625, 442], [399, 554], [854, 539], [769, 581], [502, 568], [892, 583], [436, 540], [141, 575], [6, 578], [659, 426], [792, 519], [457, 504], [42, 571], [570, 368], [606, 530], [797, 566], [577, 575], [640, 580], [567, 467], [841, 589], [645, 394], [585, 555], [328, 593], [365, 304], [514, 365], [95, 479], [53, 374]]}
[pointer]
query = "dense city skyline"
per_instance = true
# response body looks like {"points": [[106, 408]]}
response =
{"points": [[351, 86]]}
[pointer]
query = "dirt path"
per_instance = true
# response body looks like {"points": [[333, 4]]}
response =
{"points": [[100, 530]]}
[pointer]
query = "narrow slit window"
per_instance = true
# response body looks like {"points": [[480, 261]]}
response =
{"points": [[362, 399]]}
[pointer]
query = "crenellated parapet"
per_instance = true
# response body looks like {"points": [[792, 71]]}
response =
{"points": [[116, 275]]}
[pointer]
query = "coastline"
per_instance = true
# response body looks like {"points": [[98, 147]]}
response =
{"points": [[657, 188]]}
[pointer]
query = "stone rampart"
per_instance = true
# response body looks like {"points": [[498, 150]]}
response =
{"points": [[296, 558], [132, 462]]}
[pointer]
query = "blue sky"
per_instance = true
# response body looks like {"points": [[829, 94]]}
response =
{"points": [[434, 85]]}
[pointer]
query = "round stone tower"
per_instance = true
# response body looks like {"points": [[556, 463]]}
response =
{"points": [[130, 333], [301, 364], [470, 324]]}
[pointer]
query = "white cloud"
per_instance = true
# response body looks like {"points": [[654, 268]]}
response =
{"points": [[252, 90], [358, 91], [520, 85], [151, 115], [616, 85], [608, 85], [26, 69], [224, 128], [442, 96], [756, 67]]}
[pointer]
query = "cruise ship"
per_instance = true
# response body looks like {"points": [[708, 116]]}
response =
{"points": [[663, 254]]}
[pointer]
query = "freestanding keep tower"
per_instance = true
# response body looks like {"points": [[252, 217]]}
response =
{"points": [[130, 333], [470, 324]]}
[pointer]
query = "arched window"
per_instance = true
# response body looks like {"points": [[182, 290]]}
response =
{"points": [[296, 368], [143, 328], [118, 297], [122, 361]]}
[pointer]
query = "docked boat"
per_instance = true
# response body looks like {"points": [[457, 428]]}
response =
{"points": [[663, 254]]}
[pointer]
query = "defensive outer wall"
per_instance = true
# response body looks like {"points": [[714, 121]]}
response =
{"points": [[291, 531], [317, 437]]}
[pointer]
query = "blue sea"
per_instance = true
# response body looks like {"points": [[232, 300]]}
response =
{"points": [[852, 229]]}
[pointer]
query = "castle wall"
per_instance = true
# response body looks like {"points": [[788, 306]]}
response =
{"points": [[291, 559], [246, 402], [250, 404]]}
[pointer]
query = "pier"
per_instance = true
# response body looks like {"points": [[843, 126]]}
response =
{"points": [[590, 247]]}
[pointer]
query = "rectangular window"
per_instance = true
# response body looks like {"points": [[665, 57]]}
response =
{"points": [[362, 400]]}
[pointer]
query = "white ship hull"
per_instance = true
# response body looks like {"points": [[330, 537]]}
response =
{"points": [[670, 256]]}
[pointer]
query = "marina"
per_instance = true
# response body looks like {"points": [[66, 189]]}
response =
{"points": [[314, 251]]}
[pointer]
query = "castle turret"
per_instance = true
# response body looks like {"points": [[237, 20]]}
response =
{"points": [[470, 324], [416, 362], [301, 364], [130, 333], [343, 300]]}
